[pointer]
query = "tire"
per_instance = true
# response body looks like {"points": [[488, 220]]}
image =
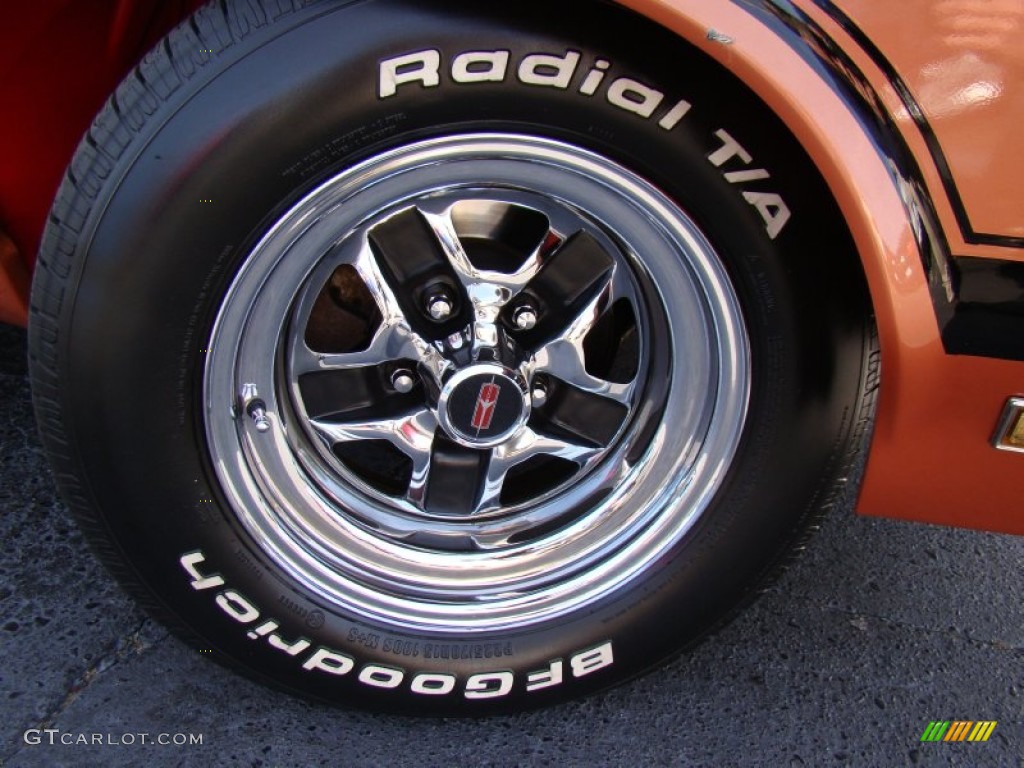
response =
{"points": [[447, 394]]}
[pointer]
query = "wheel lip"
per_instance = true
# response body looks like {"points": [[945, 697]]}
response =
{"points": [[650, 535]]}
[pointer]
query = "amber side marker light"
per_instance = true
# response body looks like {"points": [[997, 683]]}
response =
{"points": [[1009, 434]]}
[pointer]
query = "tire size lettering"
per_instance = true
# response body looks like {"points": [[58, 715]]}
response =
{"points": [[407, 648], [484, 685], [369, 640], [477, 651]]}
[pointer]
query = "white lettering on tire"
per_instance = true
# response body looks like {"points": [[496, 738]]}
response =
{"points": [[331, 662], [489, 685], [292, 649], [585, 662], [772, 208], [558, 70], [189, 561], [381, 677], [433, 684], [480, 686], [480, 67], [769, 205], [237, 607], [549, 70], [594, 77], [545, 678], [423, 67], [262, 630], [634, 97]]}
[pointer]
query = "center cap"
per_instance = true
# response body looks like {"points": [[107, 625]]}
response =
{"points": [[483, 405]]}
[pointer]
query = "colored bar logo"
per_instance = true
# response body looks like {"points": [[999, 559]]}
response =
{"points": [[483, 414], [959, 730]]}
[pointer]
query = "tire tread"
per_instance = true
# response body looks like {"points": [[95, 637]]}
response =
{"points": [[178, 59]]}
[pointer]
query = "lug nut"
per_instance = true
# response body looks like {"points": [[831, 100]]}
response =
{"points": [[439, 307], [403, 381], [455, 341], [524, 317], [538, 393]]}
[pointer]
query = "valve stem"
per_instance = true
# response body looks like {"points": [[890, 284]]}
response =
{"points": [[254, 407]]}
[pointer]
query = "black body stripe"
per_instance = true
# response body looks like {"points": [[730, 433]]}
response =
{"points": [[967, 231], [989, 321]]}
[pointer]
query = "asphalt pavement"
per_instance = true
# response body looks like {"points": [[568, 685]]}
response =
{"points": [[879, 628]]}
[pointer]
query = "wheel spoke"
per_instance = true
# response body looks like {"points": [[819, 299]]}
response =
{"points": [[448, 239], [398, 343], [394, 338], [416, 262], [613, 287], [456, 477], [578, 415], [487, 291], [512, 282], [413, 435], [524, 446], [354, 394], [521, 232], [567, 283], [564, 361], [561, 227], [393, 342], [564, 357], [392, 312]]}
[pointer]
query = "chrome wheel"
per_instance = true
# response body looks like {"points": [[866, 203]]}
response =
{"points": [[475, 383]]}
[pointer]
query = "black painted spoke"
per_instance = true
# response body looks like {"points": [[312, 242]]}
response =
{"points": [[456, 479], [414, 262], [570, 279], [358, 393], [578, 415]]}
